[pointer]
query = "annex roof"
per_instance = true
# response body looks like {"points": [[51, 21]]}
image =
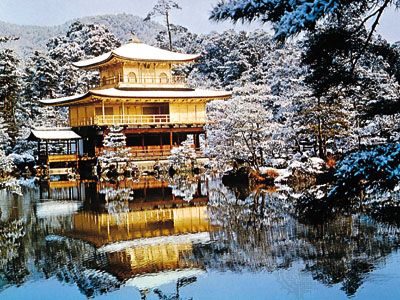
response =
{"points": [[139, 94], [136, 51], [55, 134]]}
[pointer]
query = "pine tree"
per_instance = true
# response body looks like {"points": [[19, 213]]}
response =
{"points": [[9, 87], [82, 41], [163, 8], [41, 82]]}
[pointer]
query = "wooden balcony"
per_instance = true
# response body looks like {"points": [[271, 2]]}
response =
{"points": [[108, 120], [145, 81], [132, 120]]}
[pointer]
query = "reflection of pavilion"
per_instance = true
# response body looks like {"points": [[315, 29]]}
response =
{"points": [[61, 190], [152, 243], [102, 229]]}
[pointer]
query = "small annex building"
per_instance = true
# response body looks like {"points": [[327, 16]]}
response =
{"points": [[58, 149]]}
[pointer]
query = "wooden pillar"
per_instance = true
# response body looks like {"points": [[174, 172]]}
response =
{"points": [[39, 150], [123, 112], [77, 154], [197, 140], [142, 141], [170, 139], [103, 109]]}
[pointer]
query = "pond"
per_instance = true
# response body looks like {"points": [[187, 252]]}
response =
{"points": [[185, 239]]}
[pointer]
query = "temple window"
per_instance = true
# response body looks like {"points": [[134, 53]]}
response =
{"points": [[163, 78], [132, 77]]}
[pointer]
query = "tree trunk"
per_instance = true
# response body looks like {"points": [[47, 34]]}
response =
{"points": [[168, 30]]}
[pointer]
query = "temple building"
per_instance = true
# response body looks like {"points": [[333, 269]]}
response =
{"points": [[139, 91]]}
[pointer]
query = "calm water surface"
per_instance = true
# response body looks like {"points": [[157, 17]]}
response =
{"points": [[185, 240]]}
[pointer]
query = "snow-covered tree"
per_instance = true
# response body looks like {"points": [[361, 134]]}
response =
{"points": [[116, 158], [243, 130], [5, 140], [9, 86], [183, 158], [81, 41], [41, 82], [290, 18], [6, 166], [163, 8]]}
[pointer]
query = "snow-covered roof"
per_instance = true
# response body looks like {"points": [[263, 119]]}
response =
{"points": [[142, 94], [153, 280], [195, 238], [113, 92], [53, 134], [136, 51], [64, 99]]}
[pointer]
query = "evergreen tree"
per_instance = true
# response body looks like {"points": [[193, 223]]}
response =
{"points": [[163, 8], [41, 81], [9, 87], [82, 41]]}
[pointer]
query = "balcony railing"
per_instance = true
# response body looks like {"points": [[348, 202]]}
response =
{"points": [[144, 80], [137, 120], [132, 120]]}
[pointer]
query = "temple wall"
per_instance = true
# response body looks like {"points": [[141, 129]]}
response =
{"points": [[178, 112], [147, 70], [187, 112], [111, 71]]}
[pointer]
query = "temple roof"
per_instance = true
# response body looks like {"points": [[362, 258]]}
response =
{"points": [[195, 238], [56, 133], [139, 94], [153, 280], [136, 51]]}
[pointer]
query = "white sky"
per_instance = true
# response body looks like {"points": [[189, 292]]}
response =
{"points": [[194, 13]]}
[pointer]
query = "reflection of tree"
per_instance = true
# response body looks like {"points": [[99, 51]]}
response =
{"points": [[184, 185], [117, 201], [347, 249], [296, 283], [260, 233], [12, 267], [175, 296], [75, 262]]}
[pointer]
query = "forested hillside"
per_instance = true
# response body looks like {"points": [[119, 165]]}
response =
{"points": [[33, 38]]}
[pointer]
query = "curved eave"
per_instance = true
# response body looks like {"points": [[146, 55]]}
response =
{"points": [[96, 63], [161, 95], [138, 96], [68, 101]]}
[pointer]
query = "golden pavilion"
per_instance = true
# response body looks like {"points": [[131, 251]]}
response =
{"points": [[139, 91]]}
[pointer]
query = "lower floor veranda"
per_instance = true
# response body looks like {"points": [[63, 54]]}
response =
{"points": [[144, 143], [66, 151]]}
